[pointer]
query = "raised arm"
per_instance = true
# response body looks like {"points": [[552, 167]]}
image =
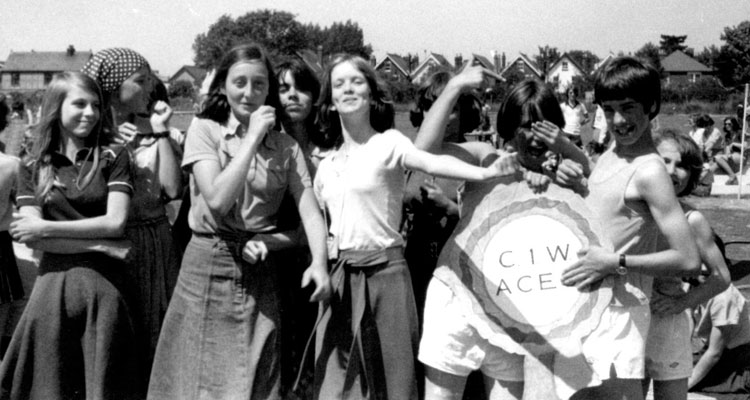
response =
{"points": [[170, 175], [221, 187], [446, 166]]}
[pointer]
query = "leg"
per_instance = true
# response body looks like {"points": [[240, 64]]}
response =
{"points": [[503, 390], [670, 390], [721, 162], [441, 385]]}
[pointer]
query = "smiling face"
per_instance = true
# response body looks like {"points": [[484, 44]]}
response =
{"points": [[532, 152], [132, 97], [79, 113], [669, 151], [246, 88], [350, 91], [296, 103], [626, 120]]}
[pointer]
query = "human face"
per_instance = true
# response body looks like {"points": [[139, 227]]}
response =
{"points": [[246, 88], [627, 120], [79, 113], [350, 91], [296, 103], [532, 152], [669, 151], [133, 94]]}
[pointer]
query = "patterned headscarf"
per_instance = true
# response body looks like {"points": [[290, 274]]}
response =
{"points": [[111, 67]]}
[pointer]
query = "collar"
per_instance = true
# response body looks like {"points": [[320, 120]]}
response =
{"points": [[233, 128], [59, 158]]}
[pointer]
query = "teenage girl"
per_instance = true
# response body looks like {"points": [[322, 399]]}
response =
{"points": [[220, 336], [668, 347], [75, 339], [367, 336], [125, 78]]}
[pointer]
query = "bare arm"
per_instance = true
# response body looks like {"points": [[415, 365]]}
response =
{"points": [[315, 230], [446, 166], [170, 175], [709, 359], [221, 187], [28, 226]]}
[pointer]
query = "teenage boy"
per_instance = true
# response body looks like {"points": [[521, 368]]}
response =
{"points": [[632, 195]]}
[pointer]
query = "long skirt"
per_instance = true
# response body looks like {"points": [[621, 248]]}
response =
{"points": [[219, 339], [75, 339], [11, 288], [366, 341], [154, 265]]}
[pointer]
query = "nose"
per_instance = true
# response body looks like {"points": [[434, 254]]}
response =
{"points": [[90, 110], [617, 118], [670, 168]]}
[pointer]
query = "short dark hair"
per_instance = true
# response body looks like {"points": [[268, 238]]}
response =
{"points": [[381, 107], [217, 107], [529, 101], [704, 121], [628, 77], [692, 159]]}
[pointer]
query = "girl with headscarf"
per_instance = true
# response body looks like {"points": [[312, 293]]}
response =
{"points": [[125, 78]]}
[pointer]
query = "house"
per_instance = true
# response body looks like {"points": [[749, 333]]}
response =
{"points": [[394, 68], [562, 71], [192, 74], [523, 65], [28, 71], [602, 63], [433, 63], [313, 59], [680, 67]]}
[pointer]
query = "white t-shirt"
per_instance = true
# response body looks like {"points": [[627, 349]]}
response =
{"points": [[369, 184], [574, 117]]}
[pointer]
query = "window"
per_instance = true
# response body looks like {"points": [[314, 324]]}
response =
{"points": [[47, 78], [15, 79], [564, 66], [694, 76], [520, 66]]}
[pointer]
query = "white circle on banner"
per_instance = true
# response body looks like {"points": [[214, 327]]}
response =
{"points": [[523, 264]]}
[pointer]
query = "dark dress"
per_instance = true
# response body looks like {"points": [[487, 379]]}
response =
{"points": [[75, 338]]}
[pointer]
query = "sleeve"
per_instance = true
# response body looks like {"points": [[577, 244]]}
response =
{"points": [[120, 174], [724, 310], [714, 140], [401, 146], [201, 142], [25, 188], [298, 176]]}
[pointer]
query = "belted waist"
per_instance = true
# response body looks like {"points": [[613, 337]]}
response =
{"points": [[234, 237], [368, 258]]}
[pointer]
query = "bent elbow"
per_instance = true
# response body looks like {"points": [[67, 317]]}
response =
{"points": [[692, 265], [117, 227]]}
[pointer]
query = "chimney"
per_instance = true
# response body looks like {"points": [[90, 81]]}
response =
{"points": [[458, 61], [496, 60], [373, 60], [71, 51], [503, 61]]}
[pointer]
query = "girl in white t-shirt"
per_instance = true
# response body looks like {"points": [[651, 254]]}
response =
{"points": [[367, 336]]}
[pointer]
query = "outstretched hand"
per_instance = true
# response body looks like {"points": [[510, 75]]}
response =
{"points": [[319, 276], [473, 77]]}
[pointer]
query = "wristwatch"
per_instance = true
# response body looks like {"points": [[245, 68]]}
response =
{"points": [[622, 267]]}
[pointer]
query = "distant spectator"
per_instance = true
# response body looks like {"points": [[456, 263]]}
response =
{"points": [[729, 161], [709, 138], [601, 131], [575, 114]]}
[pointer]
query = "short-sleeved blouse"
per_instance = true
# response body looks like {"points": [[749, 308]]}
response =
{"points": [[278, 166], [728, 309], [362, 192], [66, 202]]}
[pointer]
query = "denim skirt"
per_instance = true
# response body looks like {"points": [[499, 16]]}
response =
{"points": [[219, 339]]}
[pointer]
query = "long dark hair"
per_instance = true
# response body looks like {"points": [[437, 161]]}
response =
{"points": [[381, 107], [217, 107], [46, 135], [529, 101], [305, 80]]}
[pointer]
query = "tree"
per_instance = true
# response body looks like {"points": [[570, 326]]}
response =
{"points": [[670, 43], [649, 52], [586, 59], [181, 88], [344, 37], [546, 57], [708, 56], [733, 63], [277, 31]]}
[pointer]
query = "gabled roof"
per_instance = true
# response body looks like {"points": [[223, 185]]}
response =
{"points": [[603, 62], [45, 61], [197, 73], [681, 62], [396, 60], [570, 59], [311, 59], [526, 60], [435, 58]]}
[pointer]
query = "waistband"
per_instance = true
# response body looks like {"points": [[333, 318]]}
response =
{"points": [[234, 237], [147, 221], [368, 258]]}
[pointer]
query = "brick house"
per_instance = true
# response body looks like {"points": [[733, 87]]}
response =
{"points": [[29, 71]]}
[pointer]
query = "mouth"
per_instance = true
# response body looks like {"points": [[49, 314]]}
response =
{"points": [[536, 149]]}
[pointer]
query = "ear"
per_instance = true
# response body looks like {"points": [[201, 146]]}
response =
{"points": [[332, 108]]}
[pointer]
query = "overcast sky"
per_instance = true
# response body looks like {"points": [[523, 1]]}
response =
{"points": [[164, 30]]}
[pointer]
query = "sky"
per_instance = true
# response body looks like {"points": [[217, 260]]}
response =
{"points": [[164, 30]]}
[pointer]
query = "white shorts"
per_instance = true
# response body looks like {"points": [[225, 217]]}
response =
{"points": [[616, 348], [668, 348], [451, 345]]}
